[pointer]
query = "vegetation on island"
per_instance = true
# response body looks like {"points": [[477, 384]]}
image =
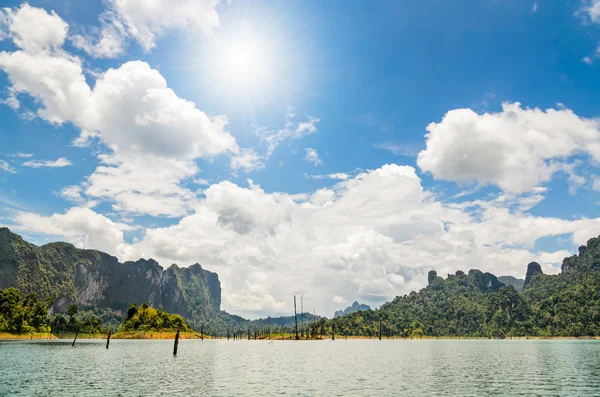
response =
{"points": [[146, 318], [22, 315]]}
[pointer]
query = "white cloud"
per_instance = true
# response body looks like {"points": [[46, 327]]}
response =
{"points": [[338, 175], [143, 185], [397, 149], [133, 112], [368, 238], [516, 149], [312, 157], [23, 155], [339, 299], [143, 21], [591, 9], [82, 226], [4, 166], [34, 29], [72, 193], [596, 183], [248, 160], [109, 41], [201, 181], [291, 130], [58, 163], [587, 60], [130, 109]]}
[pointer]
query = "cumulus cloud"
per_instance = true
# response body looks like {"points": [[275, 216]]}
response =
{"points": [[133, 110], [82, 226], [143, 21], [143, 185], [517, 149], [145, 125], [368, 238], [34, 29], [58, 163], [312, 156], [130, 108]]}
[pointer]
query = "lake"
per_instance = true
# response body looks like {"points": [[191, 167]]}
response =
{"points": [[304, 368]]}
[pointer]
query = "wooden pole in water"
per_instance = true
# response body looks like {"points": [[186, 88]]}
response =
{"points": [[176, 343], [202, 331], [108, 339], [380, 330], [76, 333], [248, 333], [227, 333], [296, 318], [332, 331]]}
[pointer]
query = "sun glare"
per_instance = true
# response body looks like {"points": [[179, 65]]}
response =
{"points": [[243, 65]]}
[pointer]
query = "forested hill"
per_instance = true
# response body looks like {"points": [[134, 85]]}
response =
{"points": [[479, 305], [63, 274]]}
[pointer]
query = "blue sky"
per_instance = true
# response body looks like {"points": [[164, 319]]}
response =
{"points": [[365, 143]]}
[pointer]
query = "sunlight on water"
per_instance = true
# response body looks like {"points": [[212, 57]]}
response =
{"points": [[340, 368]]}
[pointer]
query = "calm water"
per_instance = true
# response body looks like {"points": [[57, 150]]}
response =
{"points": [[340, 368]]}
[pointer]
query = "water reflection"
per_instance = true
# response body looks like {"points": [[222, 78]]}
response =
{"points": [[258, 368]]}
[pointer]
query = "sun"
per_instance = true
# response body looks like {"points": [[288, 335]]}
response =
{"points": [[243, 64]]}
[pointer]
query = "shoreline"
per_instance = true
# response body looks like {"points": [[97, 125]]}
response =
{"points": [[170, 335]]}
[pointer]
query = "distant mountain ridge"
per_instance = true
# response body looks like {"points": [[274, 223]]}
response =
{"points": [[515, 282], [65, 274], [355, 307]]}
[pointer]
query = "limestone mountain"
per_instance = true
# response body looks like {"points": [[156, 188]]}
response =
{"points": [[480, 304], [65, 274], [355, 307]]}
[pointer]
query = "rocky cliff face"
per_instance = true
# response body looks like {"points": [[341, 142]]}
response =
{"points": [[533, 268], [588, 258], [66, 274], [486, 282]]}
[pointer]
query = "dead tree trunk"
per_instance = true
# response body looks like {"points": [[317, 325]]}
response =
{"points": [[296, 318], [176, 343], [108, 339], [74, 340]]}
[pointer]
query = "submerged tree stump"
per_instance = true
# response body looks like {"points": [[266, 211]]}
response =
{"points": [[108, 339], [74, 340], [176, 343]]}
